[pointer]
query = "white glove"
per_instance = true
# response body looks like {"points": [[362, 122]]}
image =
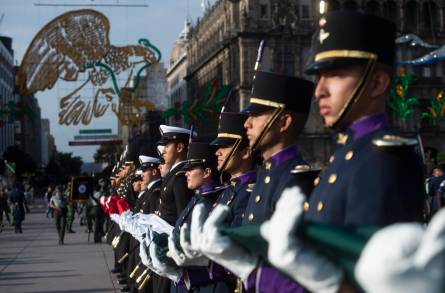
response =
{"points": [[115, 218], [288, 254], [404, 258], [165, 270], [180, 258], [124, 219], [200, 213], [222, 250]]}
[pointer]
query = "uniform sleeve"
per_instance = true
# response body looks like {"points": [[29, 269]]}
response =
{"points": [[181, 193], [269, 280], [386, 187]]}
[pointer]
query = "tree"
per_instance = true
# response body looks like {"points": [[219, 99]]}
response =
{"points": [[107, 153], [62, 166], [23, 162]]}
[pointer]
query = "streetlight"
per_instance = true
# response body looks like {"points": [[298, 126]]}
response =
{"points": [[323, 6]]}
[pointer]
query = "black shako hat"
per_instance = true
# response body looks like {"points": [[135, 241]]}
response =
{"points": [[348, 38], [200, 154], [231, 129], [130, 158], [271, 91]]}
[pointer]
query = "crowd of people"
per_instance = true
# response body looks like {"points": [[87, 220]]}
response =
{"points": [[172, 212], [14, 205]]}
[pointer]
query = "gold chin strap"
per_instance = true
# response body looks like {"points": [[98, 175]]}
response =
{"points": [[230, 156], [356, 94], [269, 123]]}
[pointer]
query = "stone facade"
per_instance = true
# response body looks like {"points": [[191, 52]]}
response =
{"points": [[222, 46]]}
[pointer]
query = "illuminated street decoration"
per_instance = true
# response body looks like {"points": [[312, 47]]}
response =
{"points": [[399, 101], [436, 109], [194, 110], [78, 42]]}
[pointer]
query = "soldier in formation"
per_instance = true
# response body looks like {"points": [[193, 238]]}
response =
{"points": [[168, 235]]}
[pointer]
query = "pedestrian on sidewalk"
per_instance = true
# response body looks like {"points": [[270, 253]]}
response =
{"points": [[17, 199], [48, 195], [59, 204], [4, 208]]}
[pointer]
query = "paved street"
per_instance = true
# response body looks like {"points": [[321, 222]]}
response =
{"points": [[34, 262]]}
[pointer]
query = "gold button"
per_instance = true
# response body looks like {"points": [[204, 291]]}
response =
{"points": [[267, 179], [316, 181], [233, 183], [306, 206], [251, 216], [165, 188], [320, 206], [332, 178], [331, 159], [349, 155], [268, 165], [257, 199]]}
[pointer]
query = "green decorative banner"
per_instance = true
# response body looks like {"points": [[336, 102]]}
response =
{"points": [[399, 101], [205, 103]]}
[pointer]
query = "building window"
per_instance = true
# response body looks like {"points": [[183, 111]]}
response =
{"points": [[439, 69], [390, 10], [411, 16], [263, 11], [305, 12], [430, 16]]}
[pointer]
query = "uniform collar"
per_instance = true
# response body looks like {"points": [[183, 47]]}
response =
{"points": [[175, 165], [369, 124], [206, 188], [245, 178], [152, 183], [279, 158], [363, 127]]}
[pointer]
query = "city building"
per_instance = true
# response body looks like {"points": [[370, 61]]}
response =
{"points": [[222, 48], [45, 129], [7, 82]]}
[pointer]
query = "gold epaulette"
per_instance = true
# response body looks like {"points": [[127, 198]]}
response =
{"points": [[394, 141], [301, 169], [250, 187]]}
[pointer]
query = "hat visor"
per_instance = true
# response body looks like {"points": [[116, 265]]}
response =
{"points": [[253, 108], [223, 141], [189, 166], [333, 63]]}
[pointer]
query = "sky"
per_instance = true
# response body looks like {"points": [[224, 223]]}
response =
{"points": [[161, 22]]}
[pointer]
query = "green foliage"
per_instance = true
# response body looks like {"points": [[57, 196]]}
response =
{"points": [[23, 161], [108, 153]]}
